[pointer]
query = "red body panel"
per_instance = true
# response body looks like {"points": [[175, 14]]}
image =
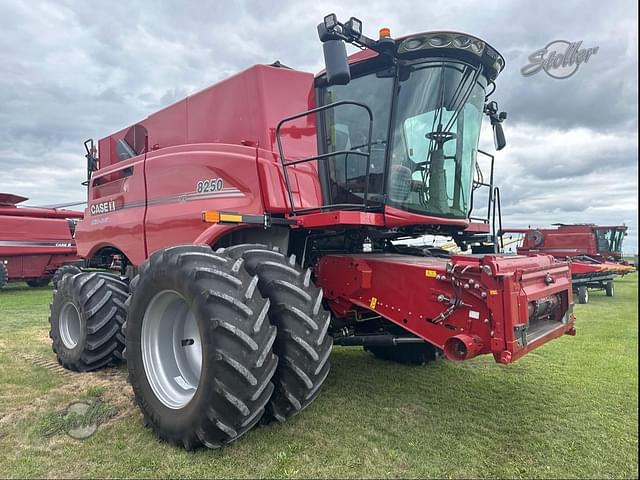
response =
{"points": [[172, 171], [34, 242]]}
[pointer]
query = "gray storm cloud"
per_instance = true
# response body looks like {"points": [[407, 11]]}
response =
{"points": [[71, 70]]}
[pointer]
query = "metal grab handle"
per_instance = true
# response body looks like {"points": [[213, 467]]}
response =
{"points": [[497, 207]]}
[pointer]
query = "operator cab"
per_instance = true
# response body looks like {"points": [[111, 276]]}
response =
{"points": [[430, 144], [399, 122], [609, 240]]}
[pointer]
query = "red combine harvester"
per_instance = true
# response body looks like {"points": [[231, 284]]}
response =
{"points": [[595, 253], [250, 238], [35, 243]]}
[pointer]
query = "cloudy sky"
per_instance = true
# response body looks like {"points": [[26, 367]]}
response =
{"points": [[70, 70]]}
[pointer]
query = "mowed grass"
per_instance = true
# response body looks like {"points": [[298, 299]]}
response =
{"points": [[567, 410]]}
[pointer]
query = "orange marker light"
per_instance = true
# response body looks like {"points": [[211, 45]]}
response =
{"points": [[211, 216], [385, 32]]}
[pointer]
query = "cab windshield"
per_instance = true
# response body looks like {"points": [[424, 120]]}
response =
{"points": [[435, 139], [429, 135]]}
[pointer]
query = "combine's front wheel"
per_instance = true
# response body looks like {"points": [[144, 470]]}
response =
{"points": [[409, 354], [199, 347], [303, 344], [87, 314]]}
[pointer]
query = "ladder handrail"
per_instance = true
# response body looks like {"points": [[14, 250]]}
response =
{"points": [[323, 156]]}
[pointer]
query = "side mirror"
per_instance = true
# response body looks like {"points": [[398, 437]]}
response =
{"points": [[92, 159], [491, 110], [336, 63], [498, 136]]}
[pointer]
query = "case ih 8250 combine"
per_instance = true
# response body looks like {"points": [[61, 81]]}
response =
{"points": [[595, 253], [252, 237], [36, 244]]}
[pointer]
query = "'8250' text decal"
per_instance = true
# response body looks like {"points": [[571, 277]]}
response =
{"points": [[212, 185]]}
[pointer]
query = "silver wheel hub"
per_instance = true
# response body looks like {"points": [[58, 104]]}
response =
{"points": [[171, 349], [69, 325]]}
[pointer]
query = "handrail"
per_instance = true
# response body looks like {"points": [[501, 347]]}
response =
{"points": [[483, 184], [497, 207], [323, 156]]}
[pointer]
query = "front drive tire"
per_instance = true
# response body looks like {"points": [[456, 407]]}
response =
{"points": [[303, 344], [87, 314], [199, 347]]}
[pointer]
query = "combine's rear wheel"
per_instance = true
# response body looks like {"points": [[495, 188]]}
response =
{"points": [[583, 295], [87, 314], [303, 344], [410, 354], [4, 274], [199, 347], [608, 288], [69, 269]]}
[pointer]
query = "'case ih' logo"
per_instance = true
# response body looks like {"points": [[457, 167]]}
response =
{"points": [[103, 207]]}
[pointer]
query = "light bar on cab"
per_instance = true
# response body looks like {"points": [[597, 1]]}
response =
{"points": [[453, 41]]}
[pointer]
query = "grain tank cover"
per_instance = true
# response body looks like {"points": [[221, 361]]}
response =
{"points": [[241, 110]]}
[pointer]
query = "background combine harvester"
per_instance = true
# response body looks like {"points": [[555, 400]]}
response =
{"points": [[35, 243], [249, 237], [595, 252]]}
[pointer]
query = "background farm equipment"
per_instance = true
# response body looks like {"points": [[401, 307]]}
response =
{"points": [[594, 253], [250, 237], [35, 242]]}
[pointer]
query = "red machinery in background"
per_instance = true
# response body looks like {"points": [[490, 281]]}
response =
{"points": [[35, 242], [595, 252]]}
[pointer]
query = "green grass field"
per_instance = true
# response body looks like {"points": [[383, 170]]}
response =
{"points": [[567, 410]]}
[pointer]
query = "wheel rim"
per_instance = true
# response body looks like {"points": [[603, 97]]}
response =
{"points": [[171, 349], [69, 325]]}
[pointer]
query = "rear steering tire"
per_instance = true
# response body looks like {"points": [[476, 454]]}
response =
{"points": [[69, 269], [583, 295], [87, 314], [409, 354], [303, 344], [199, 347]]}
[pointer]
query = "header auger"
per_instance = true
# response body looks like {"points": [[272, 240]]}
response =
{"points": [[263, 219]]}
